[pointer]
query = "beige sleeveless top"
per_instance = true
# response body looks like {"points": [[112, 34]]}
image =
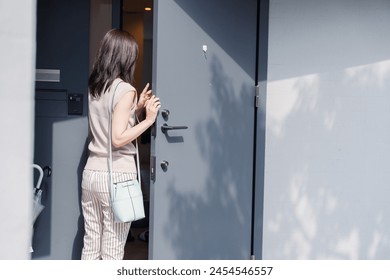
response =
{"points": [[123, 157]]}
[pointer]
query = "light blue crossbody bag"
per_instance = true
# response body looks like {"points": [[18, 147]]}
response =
{"points": [[126, 197]]}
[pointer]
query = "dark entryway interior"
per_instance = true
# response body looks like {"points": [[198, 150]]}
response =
{"points": [[137, 19]]}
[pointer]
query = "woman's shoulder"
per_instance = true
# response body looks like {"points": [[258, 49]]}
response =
{"points": [[123, 86]]}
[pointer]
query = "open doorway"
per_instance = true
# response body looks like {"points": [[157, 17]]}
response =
{"points": [[137, 19]]}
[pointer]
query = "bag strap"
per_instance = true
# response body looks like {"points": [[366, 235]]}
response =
{"points": [[111, 109]]}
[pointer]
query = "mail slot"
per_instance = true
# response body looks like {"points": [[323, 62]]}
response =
{"points": [[51, 103], [58, 103]]}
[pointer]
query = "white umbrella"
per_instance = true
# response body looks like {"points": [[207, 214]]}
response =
{"points": [[37, 195]]}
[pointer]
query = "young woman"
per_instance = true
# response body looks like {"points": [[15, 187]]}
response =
{"points": [[112, 72]]}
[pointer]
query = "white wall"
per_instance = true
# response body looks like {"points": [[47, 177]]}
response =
{"points": [[17, 74], [327, 163]]}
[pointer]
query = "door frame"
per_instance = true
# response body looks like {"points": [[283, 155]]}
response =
{"points": [[260, 128]]}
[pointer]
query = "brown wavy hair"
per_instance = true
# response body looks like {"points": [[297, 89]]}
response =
{"points": [[116, 58]]}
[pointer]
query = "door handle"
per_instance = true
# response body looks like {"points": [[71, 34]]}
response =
{"points": [[165, 127]]}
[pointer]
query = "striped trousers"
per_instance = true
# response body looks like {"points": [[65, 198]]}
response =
{"points": [[104, 238]]}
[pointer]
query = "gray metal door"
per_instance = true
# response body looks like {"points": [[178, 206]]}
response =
{"points": [[204, 74]]}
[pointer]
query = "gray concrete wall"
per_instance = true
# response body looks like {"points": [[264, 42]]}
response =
{"points": [[327, 157]]}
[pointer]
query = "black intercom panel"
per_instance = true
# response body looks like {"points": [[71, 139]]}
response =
{"points": [[75, 104]]}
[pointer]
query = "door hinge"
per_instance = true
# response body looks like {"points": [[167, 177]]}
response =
{"points": [[153, 168], [257, 96]]}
